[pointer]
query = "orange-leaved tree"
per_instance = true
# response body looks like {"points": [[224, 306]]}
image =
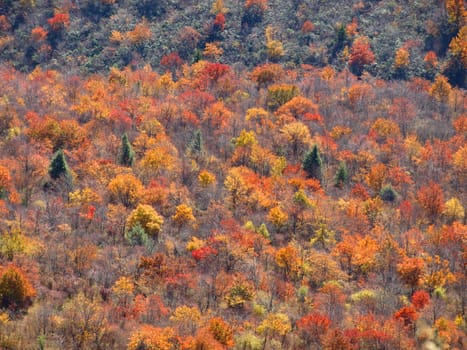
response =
{"points": [[16, 291], [150, 337], [360, 55]]}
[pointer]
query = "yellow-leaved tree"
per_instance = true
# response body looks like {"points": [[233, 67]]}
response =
{"points": [[147, 217], [125, 188], [82, 323], [153, 338], [275, 325], [186, 319], [183, 216], [441, 89], [454, 210], [278, 218]]}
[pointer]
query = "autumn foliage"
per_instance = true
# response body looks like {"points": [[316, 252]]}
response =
{"points": [[59, 21], [360, 55], [16, 291], [204, 205]]}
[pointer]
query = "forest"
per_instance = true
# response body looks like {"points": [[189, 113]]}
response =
{"points": [[305, 192]]}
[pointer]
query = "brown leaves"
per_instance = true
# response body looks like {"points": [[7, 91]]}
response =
{"points": [[431, 199]]}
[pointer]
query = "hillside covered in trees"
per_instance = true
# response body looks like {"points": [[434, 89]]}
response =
{"points": [[408, 38], [233, 175]]}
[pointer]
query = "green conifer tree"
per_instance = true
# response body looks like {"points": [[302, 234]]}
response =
{"points": [[59, 168], [388, 194], [196, 146], [341, 39], [342, 175], [136, 235], [312, 164], [127, 155]]}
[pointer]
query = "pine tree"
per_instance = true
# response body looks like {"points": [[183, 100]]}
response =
{"points": [[341, 38], [59, 168], [127, 155], [312, 164], [136, 235], [388, 194], [196, 146], [342, 175]]}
